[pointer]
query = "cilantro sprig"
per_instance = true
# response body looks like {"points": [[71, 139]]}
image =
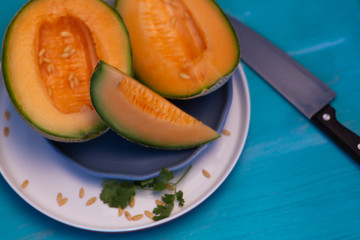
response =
{"points": [[119, 194]]}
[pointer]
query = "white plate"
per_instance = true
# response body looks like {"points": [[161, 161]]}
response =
{"points": [[25, 155]]}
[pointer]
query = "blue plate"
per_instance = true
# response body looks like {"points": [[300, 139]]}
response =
{"points": [[111, 156]]}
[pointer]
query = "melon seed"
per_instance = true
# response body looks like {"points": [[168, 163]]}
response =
{"points": [[72, 84], [158, 202], [149, 214], [137, 217], [120, 212], [6, 131], [132, 202], [71, 76], [25, 184], [50, 68], [60, 200], [226, 132], [42, 52], [206, 173], [91, 201], [65, 34], [128, 216], [76, 82], [67, 49], [184, 76], [47, 60], [50, 92], [7, 115], [65, 55], [81, 192]]}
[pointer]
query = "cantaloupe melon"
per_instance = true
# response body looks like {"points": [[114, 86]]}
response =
{"points": [[181, 48], [49, 52]]}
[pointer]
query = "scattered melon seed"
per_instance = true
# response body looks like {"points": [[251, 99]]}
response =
{"points": [[81, 192], [184, 76], [120, 212], [206, 173], [65, 34], [6, 131], [7, 115], [91, 201], [158, 202], [137, 217], [63, 201], [226, 132], [59, 197], [60, 200], [128, 216], [149, 214], [25, 184], [132, 202]]}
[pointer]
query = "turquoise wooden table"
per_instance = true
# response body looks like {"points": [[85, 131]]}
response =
{"points": [[291, 181]]}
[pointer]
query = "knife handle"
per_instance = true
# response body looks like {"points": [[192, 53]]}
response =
{"points": [[326, 120]]}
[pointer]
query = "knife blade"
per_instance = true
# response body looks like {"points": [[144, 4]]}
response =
{"points": [[298, 85]]}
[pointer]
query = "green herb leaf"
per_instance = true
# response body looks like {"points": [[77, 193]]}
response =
{"points": [[162, 212], [166, 175], [179, 198], [117, 194]]}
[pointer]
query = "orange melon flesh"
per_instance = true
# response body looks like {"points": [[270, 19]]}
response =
{"points": [[181, 48], [50, 50], [139, 114]]}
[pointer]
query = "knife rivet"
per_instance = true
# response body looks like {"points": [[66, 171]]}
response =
{"points": [[358, 146], [326, 117]]}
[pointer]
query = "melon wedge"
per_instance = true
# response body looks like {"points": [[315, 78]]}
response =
{"points": [[141, 115]]}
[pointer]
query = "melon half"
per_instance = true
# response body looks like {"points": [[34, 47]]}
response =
{"points": [[141, 115], [181, 48], [49, 52]]}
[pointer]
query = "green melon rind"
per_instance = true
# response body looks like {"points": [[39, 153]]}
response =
{"points": [[99, 75], [79, 136], [205, 89]]}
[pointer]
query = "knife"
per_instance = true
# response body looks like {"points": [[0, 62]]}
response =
{"points": [[299, 86]]}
